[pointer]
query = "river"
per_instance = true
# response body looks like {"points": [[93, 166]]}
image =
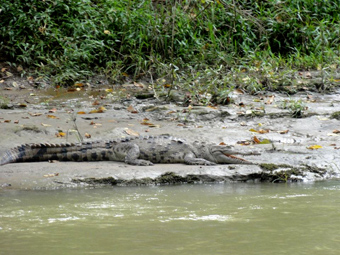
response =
{"points": [[185, 219]]}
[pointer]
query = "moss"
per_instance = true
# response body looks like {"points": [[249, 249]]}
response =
{"points": [[269, 167], [104, 181], [335, 115], [170, 178], [32, 128]]}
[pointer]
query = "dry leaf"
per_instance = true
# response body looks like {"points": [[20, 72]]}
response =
{"points": [[270, 100], [256, 140], [51, 175], [22, 105], [283, 132], [222, 143], [95, 102], [16, 122], [45, 125], [263, 131], [314, 147], [35, 114], [108, 90], [131, 132], [7, 121], [139, 85], [107, 32], [87, 135], [212, 107], [53, 110], [131, 109], [52, 116], [336, 131], [100, 109], [81, 112], [79, 84], [60, 134], [243, 142]]}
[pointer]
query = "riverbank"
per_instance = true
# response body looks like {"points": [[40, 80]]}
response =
{"points": [[292, 149]]}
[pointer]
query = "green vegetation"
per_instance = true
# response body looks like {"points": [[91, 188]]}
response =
{"points": [[199, 45], [295, 107]]}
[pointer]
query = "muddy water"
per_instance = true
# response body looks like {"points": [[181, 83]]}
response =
{"points": [[198, 219]]}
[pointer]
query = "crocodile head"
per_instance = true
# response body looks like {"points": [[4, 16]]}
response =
{"points": [[222, 154]]}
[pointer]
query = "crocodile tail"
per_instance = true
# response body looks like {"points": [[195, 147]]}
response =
{"points": [[88, 151]]}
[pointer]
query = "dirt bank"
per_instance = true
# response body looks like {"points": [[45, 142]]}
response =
{"points": [[292, 149]]}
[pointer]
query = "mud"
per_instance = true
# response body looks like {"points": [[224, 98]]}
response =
{"points": [[292, 149]]}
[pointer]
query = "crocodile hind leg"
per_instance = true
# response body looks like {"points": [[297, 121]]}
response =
{"points": [[190, 159], [132, 153]]}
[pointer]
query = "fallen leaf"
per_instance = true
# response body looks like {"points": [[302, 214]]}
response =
{"points": [[212, 107], [107, 32], [171, 112], [108, 90], [221, 143], [87, 135], [52, 116], [95, 102], [79, 84], [16, 122], [53, 110], [22, 105], [336, 131], [283, 132], [238, 91], [7, 88], [60, 134], [139, 85], [265, 141], [131, 109], [314, 147], [256, 140], [243, 142], [51, 175], [35, 114], [125, 74], [263, 131], [253, 130], [7, 121], [81, 112], [45, 125], [270, 100], [3, 69], [131, 132], [100, 109]]}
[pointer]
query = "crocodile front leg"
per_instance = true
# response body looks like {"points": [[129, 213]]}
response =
{"points": [[190, 159], [132, 155]]}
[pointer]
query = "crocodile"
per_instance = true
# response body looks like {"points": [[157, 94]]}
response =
{"points": [[142, 150]]}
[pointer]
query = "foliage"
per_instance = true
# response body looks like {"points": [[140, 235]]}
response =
{"points": [[73, 39]]}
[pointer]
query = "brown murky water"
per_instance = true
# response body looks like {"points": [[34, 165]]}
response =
{"points": [[198, 219]]}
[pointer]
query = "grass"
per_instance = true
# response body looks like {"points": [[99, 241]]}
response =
{"points": [[195, 45]]}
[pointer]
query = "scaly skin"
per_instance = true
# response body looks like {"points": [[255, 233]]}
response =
{"points": [[143, 150]]}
